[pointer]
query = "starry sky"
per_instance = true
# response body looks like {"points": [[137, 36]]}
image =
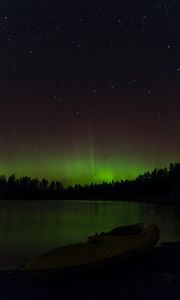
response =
{"points": [[89, 90]]}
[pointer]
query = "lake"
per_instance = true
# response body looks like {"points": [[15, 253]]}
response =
{"points": [[30, 228]]}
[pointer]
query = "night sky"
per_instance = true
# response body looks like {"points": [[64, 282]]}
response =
{"points": [[89, 90]]}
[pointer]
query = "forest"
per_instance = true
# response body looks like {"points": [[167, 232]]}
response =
{"points": [[159, 186]]}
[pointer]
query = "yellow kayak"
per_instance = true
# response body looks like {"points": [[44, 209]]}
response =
{"points": [[114, 245]]}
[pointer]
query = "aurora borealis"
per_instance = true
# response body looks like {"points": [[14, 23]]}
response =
{"points": [[77, 171], [89, 90]]}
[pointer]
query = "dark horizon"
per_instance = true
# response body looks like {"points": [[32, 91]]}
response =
{"points": [[158, 186]]}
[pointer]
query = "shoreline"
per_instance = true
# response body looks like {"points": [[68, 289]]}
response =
{"points": [[154, 201]]}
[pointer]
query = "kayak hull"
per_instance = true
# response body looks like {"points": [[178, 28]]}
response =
{"points": [[101, 252]]}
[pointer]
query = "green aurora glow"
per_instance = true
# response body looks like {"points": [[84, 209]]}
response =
{"points": [[76, 170]]}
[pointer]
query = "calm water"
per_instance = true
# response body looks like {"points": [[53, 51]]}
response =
{"points": [[30, 228]]}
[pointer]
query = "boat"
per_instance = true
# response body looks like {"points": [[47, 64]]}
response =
{"points": [[99, 250]]}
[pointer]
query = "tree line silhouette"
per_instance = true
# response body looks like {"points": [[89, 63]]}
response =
{"points": [[160, 185]]}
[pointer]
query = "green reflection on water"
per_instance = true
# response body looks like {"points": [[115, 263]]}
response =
{"points": [[28, 229]]}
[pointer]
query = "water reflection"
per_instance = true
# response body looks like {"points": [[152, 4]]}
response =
{"points": [[29, 228]]}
